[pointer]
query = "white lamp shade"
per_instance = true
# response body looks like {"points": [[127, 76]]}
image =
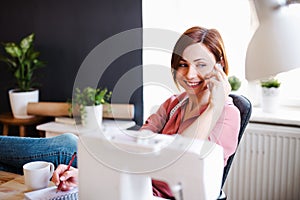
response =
{"points": [[275, 45]]}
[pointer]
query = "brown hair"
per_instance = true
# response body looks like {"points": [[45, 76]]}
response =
{"points": [[211, 38]]}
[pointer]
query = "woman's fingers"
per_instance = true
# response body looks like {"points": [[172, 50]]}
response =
{"points": [[72, 172], [223, 77], [220, 70], [217, 97], [56, 174], [67, 185], [68, 178], [218, 85], [61, 169], [217, 73]]}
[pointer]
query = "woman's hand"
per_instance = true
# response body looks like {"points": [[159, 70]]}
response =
{"points": [[219, 87], [68, 178]]}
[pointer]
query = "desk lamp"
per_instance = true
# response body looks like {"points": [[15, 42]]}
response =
{"points": [[274, 46]]}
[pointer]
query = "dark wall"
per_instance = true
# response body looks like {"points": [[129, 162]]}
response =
{"points": [[66, 31]]}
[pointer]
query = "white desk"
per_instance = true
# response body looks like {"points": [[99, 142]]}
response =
{"points": [[54, 128]]}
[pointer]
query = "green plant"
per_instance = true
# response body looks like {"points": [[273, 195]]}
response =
{"points": [[89, 97], [22, 61], [270, 83], [235, 83]]}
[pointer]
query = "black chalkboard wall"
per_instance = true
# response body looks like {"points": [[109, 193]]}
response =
{"points": [[66, 31]]}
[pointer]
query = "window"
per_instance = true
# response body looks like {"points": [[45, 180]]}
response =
{"points": [[289, 91]]}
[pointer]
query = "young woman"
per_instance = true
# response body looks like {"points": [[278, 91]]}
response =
{"points": [[203, 111]]}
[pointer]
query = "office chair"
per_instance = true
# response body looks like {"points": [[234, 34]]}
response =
{"points": [[245, 108]]}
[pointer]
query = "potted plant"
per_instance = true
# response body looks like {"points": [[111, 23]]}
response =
{"points": [[270, 95], [89, 104], [22, 60], [234, 82]]}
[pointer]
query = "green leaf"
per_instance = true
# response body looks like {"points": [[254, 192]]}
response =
{"points": [[270, 83], [91, 96], [26, 43], [13, 50], [235, 83], [32, 55], [9, 62], [37, 64], [22, 60], [17, 74]]}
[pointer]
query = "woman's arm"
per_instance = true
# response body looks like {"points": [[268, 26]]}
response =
{"points": [[226, 131]]}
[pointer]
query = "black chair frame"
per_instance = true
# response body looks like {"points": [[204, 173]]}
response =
{"points": [[245, 108]]}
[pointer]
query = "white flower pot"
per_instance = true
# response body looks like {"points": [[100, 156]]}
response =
{"points": [[270, 99], [254, 92], [19, 101], [92, 118]]}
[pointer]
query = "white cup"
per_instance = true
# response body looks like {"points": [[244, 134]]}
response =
{"points": [[37, 174]]}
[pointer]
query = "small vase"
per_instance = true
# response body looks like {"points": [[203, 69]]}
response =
{"points": [[92, 118], [19, 101], [270, 99]]}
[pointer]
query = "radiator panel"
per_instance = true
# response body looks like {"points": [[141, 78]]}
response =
{"points": [[266, 165]]}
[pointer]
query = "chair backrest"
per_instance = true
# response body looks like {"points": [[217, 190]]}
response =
{"points": [[245, 108]]}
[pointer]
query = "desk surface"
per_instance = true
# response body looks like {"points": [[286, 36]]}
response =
{"points": [[55, 128], [12, 186]]}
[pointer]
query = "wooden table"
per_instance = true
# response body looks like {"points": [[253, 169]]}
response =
{"points": [[7, 120], [12, 186]]}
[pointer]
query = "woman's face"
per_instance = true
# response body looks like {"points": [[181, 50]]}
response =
{"points": [[196, 63]]}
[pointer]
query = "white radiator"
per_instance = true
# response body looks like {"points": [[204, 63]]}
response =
{"points": [[266, 165]]}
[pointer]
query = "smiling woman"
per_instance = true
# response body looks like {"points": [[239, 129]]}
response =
{"points": [[204, 110], [181, 14]]}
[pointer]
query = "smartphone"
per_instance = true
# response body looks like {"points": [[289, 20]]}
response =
{"points": [[219, 66]]}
